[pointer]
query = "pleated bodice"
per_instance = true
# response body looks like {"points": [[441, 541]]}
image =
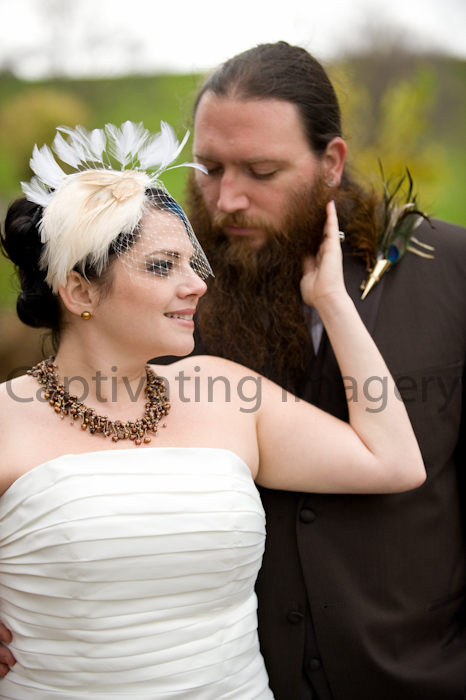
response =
{"points": [[130, 573]]}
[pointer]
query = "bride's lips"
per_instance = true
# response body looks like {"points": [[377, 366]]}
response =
{"points": [[182, 317]]}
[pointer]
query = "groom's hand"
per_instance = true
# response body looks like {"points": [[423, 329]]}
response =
{"points": [[6, 657]]}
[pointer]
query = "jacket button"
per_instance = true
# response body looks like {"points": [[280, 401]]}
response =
{"points": [[306, 515], [294, 618], [314, 664]]}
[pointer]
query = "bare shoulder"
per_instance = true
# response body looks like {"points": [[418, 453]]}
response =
{"points": [[20, 406], [207, 366], [21, 428], [16, 394]]}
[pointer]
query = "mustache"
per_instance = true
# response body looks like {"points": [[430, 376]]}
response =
{"points": [[239, 219]]}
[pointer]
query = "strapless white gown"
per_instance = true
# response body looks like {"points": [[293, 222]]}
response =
{"points": [[130, 574]]}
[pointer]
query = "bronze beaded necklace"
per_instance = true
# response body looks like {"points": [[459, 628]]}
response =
{"points": [[65, 404]]}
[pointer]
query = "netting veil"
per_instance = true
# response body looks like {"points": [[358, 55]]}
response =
{"points": [[99, 208]]}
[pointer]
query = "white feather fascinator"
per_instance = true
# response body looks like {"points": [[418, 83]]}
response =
{"points": [[86, 211]]}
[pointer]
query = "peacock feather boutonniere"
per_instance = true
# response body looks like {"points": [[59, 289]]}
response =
{"points": [[400, 217]]}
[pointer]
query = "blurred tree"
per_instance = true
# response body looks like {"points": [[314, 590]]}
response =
{"points": [[392, 124], [31, 117], [396, 107], [27, 118]]}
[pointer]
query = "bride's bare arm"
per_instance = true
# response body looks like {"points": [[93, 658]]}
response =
{"points": [[303, 448]]}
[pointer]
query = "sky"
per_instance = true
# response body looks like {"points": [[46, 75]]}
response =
{"points": [[100, 38]]}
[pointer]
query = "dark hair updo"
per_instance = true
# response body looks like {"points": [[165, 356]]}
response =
{"points": [[36, 305]]}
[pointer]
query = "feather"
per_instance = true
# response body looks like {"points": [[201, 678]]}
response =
{"points": [[82, 147], [182, 144], [400, 216], [170, 143], [151, 154], [36, 191], [82, 138], [67, 152], [423, 245], [44, 165], [160, 149], [83, 218], [98, 141], [420, 253], [79, 139], [196, 166], [125, 143]]}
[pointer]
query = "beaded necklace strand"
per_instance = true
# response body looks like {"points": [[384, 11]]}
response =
{"points": [[65, 404]]}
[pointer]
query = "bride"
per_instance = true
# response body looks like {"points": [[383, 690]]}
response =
{"points": [[132, 531]]}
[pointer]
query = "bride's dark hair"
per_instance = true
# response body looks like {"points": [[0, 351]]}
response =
{"points": [[36, 305]]}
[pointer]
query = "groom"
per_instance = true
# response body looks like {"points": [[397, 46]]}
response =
{"points": [[360, 597]]}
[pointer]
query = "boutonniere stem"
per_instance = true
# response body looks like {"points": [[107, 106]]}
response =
{"points": [[380, 267]]}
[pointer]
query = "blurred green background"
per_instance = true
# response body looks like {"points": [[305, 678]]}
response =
{"points": [[406, 109]]}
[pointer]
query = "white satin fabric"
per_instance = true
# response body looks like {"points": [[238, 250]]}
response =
{"points": [[130, 574]]}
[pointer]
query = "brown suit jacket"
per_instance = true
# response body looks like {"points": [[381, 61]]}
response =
{"points": [[384, 576]]}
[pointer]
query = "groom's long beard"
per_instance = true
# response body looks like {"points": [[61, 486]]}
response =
{"points": [[252, 312]]}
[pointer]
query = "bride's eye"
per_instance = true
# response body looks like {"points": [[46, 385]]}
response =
{"points": [[160, 267]]}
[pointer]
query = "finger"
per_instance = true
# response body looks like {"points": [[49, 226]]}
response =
{"points": [[331, 228], [6, 657], [5, 634]]}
